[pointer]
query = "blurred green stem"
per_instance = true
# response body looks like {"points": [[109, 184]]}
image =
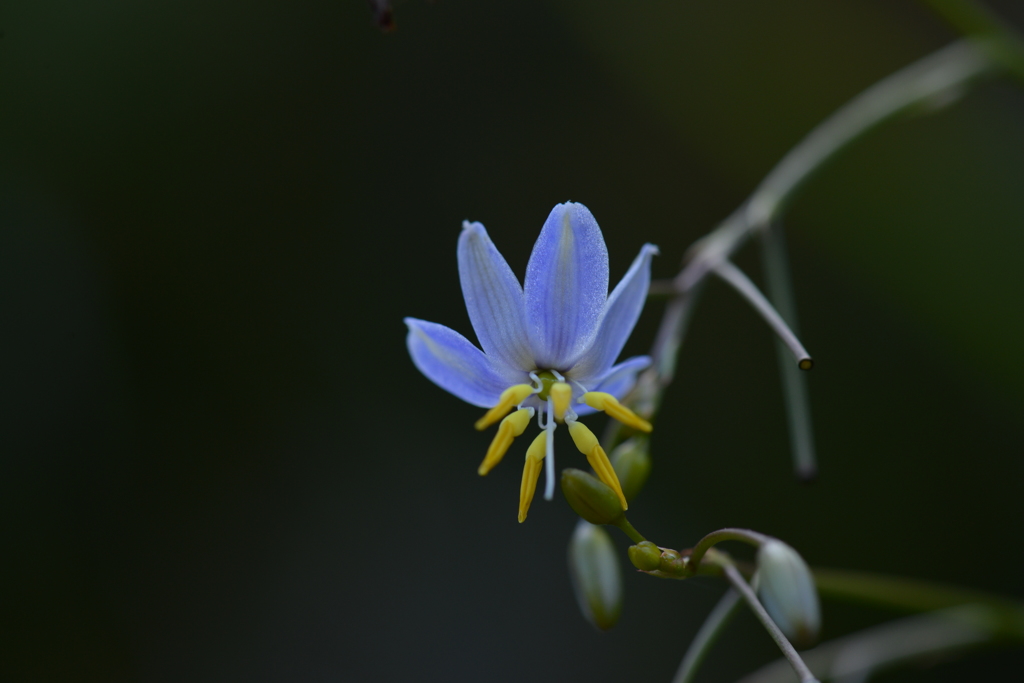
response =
{"points": [[926, 83], [1001, 41], [794, 382], [954, 619], [913, 595], [923, 83], [707, 636], [922, 638]]}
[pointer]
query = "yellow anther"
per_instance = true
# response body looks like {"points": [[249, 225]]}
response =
{"points": [[609, 404], [561, 395], [511, 427], [512, 396], [598, 459], [531, 472], [582, 437]]}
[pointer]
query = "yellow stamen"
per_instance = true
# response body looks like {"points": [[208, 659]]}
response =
{"points": [[582, 437], [531, 473], [598, 459], [511, 427], [609, 404], [561, 394], [512, 396]]}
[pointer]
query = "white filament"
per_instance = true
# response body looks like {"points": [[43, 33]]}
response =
{"points": [[549, 471]]}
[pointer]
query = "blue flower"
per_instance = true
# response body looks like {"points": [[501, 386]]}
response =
{"points": [[549, 347]]}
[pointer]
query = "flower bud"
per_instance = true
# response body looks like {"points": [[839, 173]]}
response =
{"points": [[786, 588], [596, 579], [632, 464], [589, 497], [645, 556], [671, 562]]}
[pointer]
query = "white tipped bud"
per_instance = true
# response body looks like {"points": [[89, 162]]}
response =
{"points": [[786, 588], [596, 579]]}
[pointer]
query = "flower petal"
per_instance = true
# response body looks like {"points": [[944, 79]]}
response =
{"points": [[494, 299], [618, 381], [566, 286], [451, 362], [620, 316]]}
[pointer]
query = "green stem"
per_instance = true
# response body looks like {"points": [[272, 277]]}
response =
{"points": [[628, 529], [703, 545], [788, 651], [707, 635]]}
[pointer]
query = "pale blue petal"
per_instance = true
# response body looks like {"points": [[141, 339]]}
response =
{"points": [[620, 316], [451, 362], [621, 378], [494, 299], [566, 286], [618, 381]]}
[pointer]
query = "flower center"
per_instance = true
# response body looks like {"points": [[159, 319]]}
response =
{"points": [[547, 380]]}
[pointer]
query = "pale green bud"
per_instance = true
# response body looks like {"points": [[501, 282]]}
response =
{"points": [[632, 464], [645, 556], [596, 579], [590, 498], [786, 588]]}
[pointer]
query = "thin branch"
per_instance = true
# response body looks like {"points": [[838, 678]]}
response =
{"points": [[794, 383], [948, 70], [709, 632], [742, 284], [788, 651], [926, 81]]}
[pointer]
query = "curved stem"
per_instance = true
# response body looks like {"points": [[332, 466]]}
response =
{"points": [[742, 284], [703, 545], [788, 651], [707, 635]]}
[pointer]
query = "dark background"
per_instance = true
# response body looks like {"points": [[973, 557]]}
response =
{"points": [[218, 461]]}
